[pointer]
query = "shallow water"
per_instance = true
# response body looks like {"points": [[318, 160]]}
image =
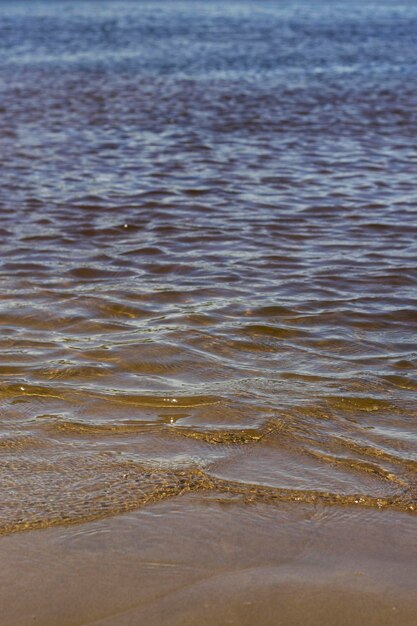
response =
{"points": [[208, 257]]}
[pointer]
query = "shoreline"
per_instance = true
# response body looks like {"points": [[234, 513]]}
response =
{"points": [[207, 560]]}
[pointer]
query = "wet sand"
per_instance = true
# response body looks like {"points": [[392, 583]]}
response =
{"points": [[214, 560]]}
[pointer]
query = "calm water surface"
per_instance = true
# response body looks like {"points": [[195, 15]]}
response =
{"points": [[208, 256]]}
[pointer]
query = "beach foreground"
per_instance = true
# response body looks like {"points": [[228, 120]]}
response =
{"points": [[214, 560]]}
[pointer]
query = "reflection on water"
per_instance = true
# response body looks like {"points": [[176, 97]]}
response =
{"points": [[207, 255]]}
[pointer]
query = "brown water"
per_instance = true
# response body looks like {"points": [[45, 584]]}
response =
{"points": [[208, 299]]}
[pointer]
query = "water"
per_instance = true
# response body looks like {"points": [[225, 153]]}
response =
{"points": [[208, 259]]}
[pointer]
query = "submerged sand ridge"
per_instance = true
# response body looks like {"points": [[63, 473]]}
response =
{"points": [[50, 484], [73, 451]]}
